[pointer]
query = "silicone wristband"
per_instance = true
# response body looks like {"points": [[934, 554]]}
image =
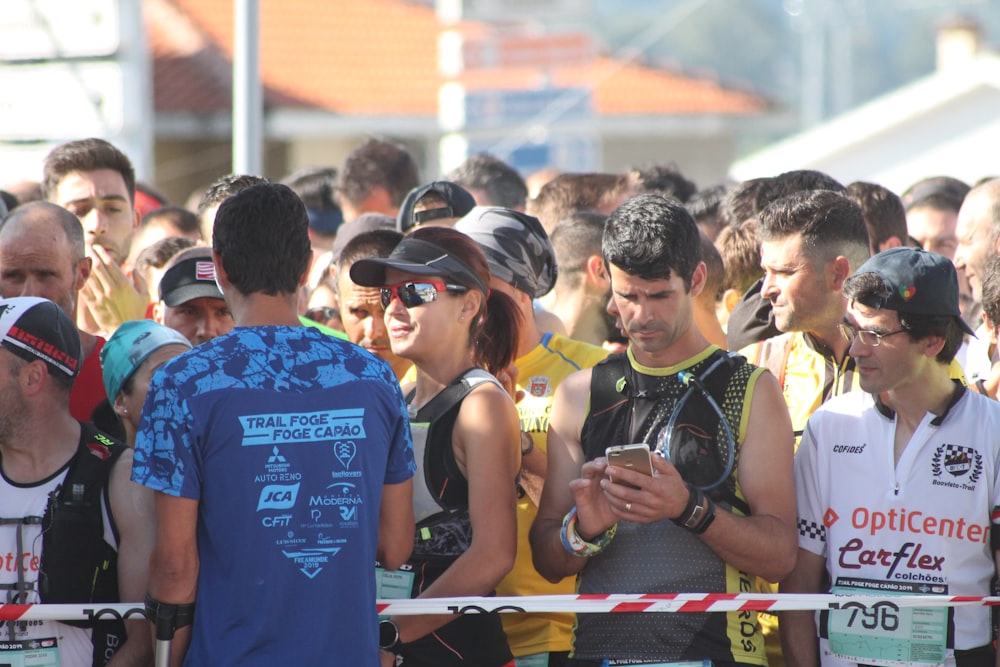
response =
{"points": [[576, 545]]}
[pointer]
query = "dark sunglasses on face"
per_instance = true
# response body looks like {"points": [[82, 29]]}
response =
{"points": [[413, 294], [322, 314]]}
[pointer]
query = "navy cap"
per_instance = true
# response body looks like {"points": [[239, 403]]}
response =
{"points": [[458, 203], [918, 282], [190, 275], [420, 258], [324, 222]]}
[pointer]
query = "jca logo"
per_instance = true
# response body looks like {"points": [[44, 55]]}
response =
{"points": [[278, 497]]}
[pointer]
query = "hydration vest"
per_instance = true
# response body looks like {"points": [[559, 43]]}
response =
{"points": [[441, 472], [77, 565], [609, 420]]}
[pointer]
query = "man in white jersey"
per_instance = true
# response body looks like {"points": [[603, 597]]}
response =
{"points": [[74, 528], [896, 484]]}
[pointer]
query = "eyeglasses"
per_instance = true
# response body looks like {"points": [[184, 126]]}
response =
{"points": [[869, 338], [412, 294]]}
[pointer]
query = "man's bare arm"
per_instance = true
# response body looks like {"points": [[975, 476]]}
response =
{"points": [[799, 642], [173, 570], [564, 461]]}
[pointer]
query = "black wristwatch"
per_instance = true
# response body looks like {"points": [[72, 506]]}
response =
{"points": [[388, 637]]}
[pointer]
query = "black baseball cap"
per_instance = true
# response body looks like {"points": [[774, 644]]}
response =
{"points": [[918, 282], [418, 257], [34, 328], [459, 202], [190, 275]]}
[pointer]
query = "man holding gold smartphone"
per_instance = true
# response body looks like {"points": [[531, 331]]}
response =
{"points": [[720, 506]]}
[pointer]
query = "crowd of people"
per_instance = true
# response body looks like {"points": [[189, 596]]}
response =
{"points": [[259, 415]]}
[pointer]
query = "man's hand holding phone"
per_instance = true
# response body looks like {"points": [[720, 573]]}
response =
{"points": [[642, 488], [634, 457]]}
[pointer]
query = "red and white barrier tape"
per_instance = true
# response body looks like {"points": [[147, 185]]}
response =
{"points": [[667, 602], [69, 612], [591, 604]]}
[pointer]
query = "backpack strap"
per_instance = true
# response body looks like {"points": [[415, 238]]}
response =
{"points": [[451, 395], [715, 378], [773, 354], [77, 564], [715, 381], [607, 384], [73, 521], [442, 474], [87, 478]]}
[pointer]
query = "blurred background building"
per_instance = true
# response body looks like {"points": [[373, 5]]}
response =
{"points": [[579, 85]]}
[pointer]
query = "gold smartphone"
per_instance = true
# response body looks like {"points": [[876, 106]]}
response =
{"points": [[631, 457]]}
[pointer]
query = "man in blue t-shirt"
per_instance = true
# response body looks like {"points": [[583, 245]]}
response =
{"points": [[282, 463]]}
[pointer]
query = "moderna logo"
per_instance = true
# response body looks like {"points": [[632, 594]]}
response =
{"points": [[278, 497]]}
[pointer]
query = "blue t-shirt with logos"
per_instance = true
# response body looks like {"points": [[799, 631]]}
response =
{"points": [[285, 437]]}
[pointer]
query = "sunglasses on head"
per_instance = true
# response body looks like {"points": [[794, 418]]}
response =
{"points": [[412, 294]]}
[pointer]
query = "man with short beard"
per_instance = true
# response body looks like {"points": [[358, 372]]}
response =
{"points": [[81, 530], [361, 310], [811, 242]]}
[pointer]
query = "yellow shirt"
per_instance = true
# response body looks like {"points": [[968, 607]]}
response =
{"points": [[808, 373], [539, 372]]}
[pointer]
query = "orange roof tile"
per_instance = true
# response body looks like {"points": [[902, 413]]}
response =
{"points": [[374, 57], [190, 73]]}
